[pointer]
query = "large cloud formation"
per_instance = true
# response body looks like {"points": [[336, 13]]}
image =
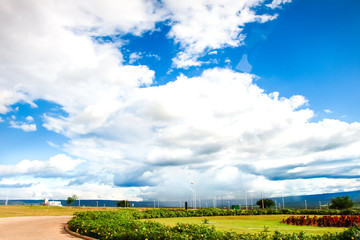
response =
{"points": [[136, 140]]}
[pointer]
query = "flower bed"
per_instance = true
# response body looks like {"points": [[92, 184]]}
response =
{"points": [[323, 221]]}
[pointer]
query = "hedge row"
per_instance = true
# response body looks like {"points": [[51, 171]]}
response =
{"points": [[168, 213]]}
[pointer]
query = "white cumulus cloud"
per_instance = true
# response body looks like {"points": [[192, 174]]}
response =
{"points": [[277, 3], [207, 25], [328, 111], [27, 127], [59, 52], [215, 123], [60, 163]]}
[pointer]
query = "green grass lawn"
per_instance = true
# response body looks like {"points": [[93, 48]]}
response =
{"points": [[250, 224], [22, 211]]}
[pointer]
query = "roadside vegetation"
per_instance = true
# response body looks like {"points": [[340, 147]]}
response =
{"points": [[343, 202], [71, 199], [265, 203]]}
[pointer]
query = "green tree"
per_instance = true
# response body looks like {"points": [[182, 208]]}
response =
{"points": [[267, 203], [343, 202], [123, 203], [71, 199]]}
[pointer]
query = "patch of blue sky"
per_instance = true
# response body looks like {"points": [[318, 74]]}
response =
{"points": [[156, 50], [41, 144], [311, 51], [153, 49]]}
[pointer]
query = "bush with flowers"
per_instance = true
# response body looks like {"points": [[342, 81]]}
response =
{"points": [[323, 221]]}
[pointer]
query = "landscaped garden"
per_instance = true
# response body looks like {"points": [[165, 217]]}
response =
{"points": [[207, 224], [213, 223], [249, 224]]}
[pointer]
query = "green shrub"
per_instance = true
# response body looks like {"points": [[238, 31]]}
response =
{"points": [[343, 202]]}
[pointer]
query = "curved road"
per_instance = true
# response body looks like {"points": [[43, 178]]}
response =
{"points": [[34, 228]]}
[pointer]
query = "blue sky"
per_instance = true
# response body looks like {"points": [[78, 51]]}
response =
{"points": [[112, 100], [312, 50]]}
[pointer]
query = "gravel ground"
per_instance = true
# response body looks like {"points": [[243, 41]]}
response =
{"points": [[31, 228]]}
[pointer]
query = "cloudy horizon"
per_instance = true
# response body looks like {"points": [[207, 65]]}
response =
{"points": [[137, 99]]}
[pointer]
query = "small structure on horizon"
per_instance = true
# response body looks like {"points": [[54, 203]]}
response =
{"points": [[52, 203]]}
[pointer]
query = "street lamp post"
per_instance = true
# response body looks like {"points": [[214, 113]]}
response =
{"points": [[246, 203], [193, 183], [283, 202]]}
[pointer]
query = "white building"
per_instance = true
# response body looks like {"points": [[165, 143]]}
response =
{"points": [[52, 203]]}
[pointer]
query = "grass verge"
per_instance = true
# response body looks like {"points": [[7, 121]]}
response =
{"points": [[249, 224], [27, 210]]}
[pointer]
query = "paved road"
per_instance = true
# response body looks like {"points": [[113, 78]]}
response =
{"points": [[34, 228]]}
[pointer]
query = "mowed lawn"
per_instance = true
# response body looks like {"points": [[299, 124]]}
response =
{"points": [[26, 210], [250, 224]]}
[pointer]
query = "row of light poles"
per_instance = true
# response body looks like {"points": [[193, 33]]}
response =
{"points": [[246, 200], [194, 197]]}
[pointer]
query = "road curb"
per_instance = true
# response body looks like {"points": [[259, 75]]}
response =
{"points": [[67, 229]]}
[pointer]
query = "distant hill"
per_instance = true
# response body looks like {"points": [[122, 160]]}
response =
{"points": [[313, 201]]}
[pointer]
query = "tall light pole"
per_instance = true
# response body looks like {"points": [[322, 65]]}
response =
{"points": [[193, 183], [7, 198], [251, 201], [283, 202], [246, 203]]}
